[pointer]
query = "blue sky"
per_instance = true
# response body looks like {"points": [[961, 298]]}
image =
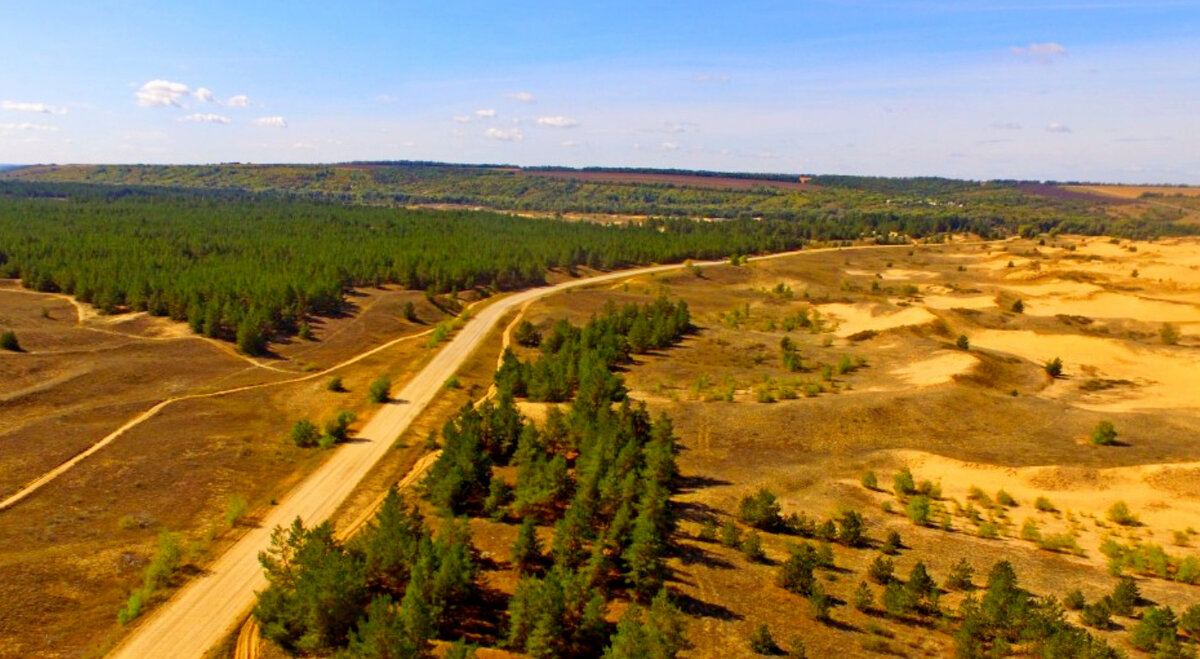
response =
{"points": [[1102, 90]]}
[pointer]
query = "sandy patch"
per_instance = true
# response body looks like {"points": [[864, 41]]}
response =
{"points": [[936, 370], [1115, 305], [1164, 378], [959, 301], [536, 412], [854, 318], [894, 274], [1158, 494], [1057, 288]]}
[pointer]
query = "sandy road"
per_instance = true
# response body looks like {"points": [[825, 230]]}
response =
{"points": [[206, 610]]}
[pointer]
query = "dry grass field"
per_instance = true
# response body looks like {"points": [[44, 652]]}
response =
{"points": [[972, 422], [71, 552]]}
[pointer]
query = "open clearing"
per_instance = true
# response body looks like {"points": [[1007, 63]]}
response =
{"points": [[986, 419], [72, 552]]}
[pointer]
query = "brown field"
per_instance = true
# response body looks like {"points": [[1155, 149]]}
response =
{"points": [[1136, 191], [988, 418], [74, 549], [717, 182]]}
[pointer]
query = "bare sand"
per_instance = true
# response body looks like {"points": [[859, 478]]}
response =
{"points": [[861, 317], [1163, 377], [941, 368]]}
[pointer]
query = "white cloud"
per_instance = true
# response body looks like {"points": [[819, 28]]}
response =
{"points": [[668, 146], [272, 122], [462, 118], [523, 97], [1006, 125], [205, 118], [557, 122], [1058, 128], [303, 145], [204, 95], [38, 108], [716, 78], [511, 135], [26, 126], [239, 101], [1044, 53], [567, 144], [161, 93], [486, 113]]}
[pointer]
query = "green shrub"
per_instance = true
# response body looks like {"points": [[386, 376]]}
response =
{"points": [[1104, 434], [961, 575], [1124, 597], [1054, 367], [335, 384], [452, 382], [1074, 601], [881, 570], [379, 390], [864, 599], [1119, 513], [903, 484], [891, 543], [1018, 306], [752, 547], [1005, 499], [869, 480], [761, 641], [235, 510], [731, 535], [1169, 334], [1043, 504], [963, 342], [918, 510], [8, 341], [304, 433], [338, 428], [760, 510]]}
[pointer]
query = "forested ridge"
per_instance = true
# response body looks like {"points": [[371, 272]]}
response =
{"points": [[246, 267], [913, 206]]}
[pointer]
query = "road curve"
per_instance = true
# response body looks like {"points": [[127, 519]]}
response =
{"points": [[207, 609]]}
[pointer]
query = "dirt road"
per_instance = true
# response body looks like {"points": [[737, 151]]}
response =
{"points": [[206, 610]]}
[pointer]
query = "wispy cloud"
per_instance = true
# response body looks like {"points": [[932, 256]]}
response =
{"points": [[711, 78], [205, 118], [510, 135], [239, 101], [162, 93], [523, 97], [204, 95], [1006, 125], [567, 144], [26, 126], [462, 118], [668, 146], [557, 122], [304, 145], [485, 113], [37, 108], [1043, 53], [271, 122], [1058, 128]]}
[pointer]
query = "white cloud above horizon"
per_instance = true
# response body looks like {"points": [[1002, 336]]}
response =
{"points": [[206, 118], [162, 93], [557, 122], [522, 97], [26, 126], [485, 113], [271, 122], [239, 101], [37, 108], [499, 134], [1057, 127], [1043, 53]]}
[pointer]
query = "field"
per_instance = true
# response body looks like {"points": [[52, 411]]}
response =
{"points": [[1138, 191], [715, 182], [73, 551], [974, 421]]}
